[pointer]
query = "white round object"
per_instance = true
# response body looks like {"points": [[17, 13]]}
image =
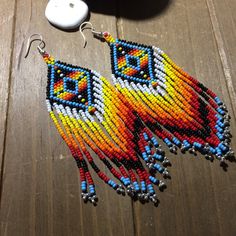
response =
{"points": [[66, 14]]}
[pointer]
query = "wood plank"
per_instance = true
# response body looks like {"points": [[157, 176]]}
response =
{"points": [[224, 26], [200, 194], [41, 193], [7, 11], [225, 37]]}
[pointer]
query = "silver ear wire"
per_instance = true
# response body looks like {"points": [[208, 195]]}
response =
{"points": [[40, 47], [95, 33]]}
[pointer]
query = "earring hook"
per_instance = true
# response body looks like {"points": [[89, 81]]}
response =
{"points": [[40, 47], [95, 33]]}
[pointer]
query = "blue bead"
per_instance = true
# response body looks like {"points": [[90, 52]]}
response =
{"points": [[167, 141], [158, 157], [145, 136], [186, 144], [223, 147], [150, 188], [218, 128], [218, 101], [148, 149], [154, 140], [153, 180], [219, 117], [159, 168], [197, 145], [218, 151], [220, 111], [176, 141]]}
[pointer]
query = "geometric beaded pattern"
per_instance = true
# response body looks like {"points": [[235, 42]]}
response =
{"points": [[132, 61], [180, 111], [114, 146], [70, 85], [191, 114]]}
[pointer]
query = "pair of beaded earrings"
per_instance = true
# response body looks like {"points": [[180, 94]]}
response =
{"points": [[119, 124]]}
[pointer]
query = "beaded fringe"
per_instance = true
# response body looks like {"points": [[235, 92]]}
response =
{"points": [[118, 125], [109, 128], [176, 107]]}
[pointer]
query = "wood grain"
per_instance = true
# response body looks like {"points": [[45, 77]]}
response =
{"points": [[196, 201], [40, 191], [7, 11], [225, 33]]}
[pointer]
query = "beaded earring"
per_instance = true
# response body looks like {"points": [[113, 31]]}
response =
{"points": [[97, 122], [177, 108]]}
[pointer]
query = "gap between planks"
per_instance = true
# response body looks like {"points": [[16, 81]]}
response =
{"points": [[222, 53], [13, 16]]}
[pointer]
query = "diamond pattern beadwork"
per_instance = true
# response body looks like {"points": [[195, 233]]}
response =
{"points": [[70, 85], [176, 107], [93, 118], [132, 61]]}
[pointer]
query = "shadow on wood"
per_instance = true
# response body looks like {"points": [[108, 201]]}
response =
{"points": [[131, 9]]}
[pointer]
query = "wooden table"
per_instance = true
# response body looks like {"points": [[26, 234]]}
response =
{"points": [[40, 192]]}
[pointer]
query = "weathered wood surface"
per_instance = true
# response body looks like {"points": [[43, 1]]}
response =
{"points": [[7, 12], [40, 192], [201, 195]]}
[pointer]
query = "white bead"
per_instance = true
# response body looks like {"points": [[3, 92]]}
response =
{"points": [[98, 116]]}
